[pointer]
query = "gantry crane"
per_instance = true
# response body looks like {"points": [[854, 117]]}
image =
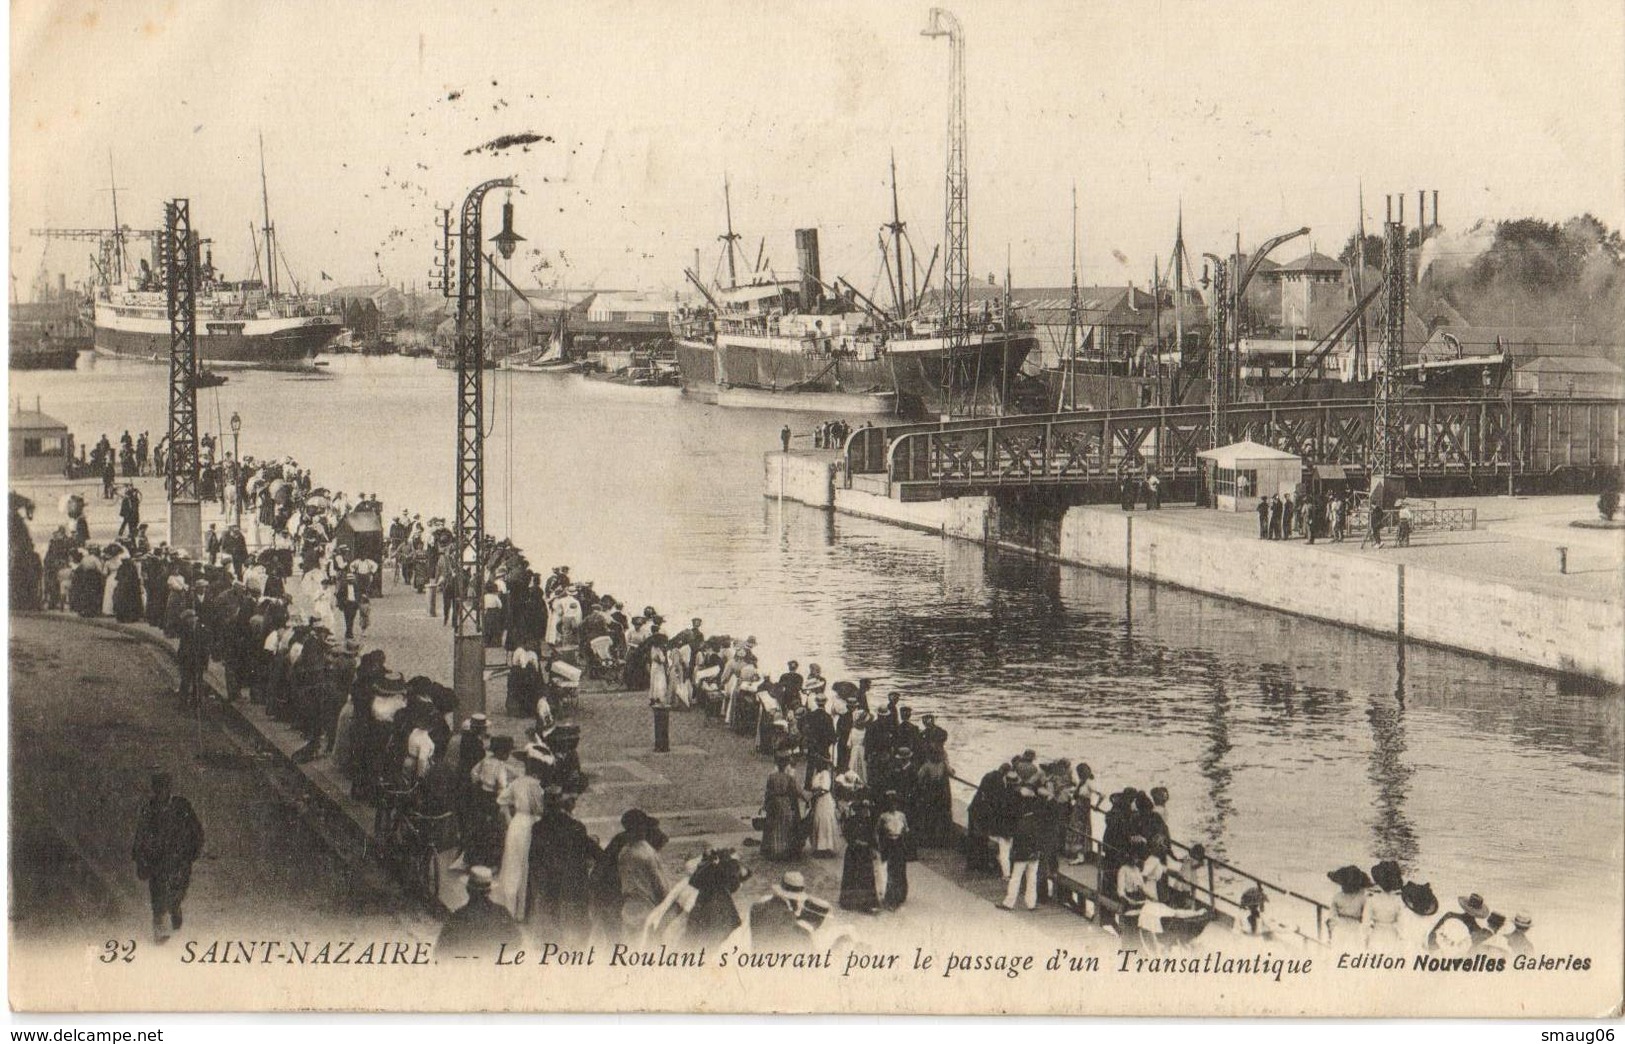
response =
{"points": [[956, 217]]}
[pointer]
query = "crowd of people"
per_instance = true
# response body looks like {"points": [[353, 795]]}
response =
{"points": [[865, 784], [1381, 911], [829, 434], [1328, 516], [140, 456]]}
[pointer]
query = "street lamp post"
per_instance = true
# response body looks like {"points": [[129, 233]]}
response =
{"points": [[237, 464], [468, 649]]}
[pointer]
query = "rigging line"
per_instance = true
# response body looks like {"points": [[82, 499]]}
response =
{"points": [[509, 494]]}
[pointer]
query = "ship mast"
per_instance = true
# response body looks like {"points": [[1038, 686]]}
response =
{"points": [[1179, 285], [118, 259], [731, 237], [270, 231], [1074, 320], [896, 228]]}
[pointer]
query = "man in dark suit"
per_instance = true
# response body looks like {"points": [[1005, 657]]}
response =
{"points": [[235, 545], [818, 736], [788, 688], [480, 927], [908, 734]]}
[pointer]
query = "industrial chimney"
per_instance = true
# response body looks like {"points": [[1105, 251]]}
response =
{"points": [[812, 288]]}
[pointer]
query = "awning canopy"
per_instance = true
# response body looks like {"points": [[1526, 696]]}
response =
{"points": [[1245, 451]]}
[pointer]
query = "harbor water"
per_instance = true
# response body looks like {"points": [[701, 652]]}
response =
{"points": [[1290, 747]]}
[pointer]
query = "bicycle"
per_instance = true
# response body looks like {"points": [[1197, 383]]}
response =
{"points": [[416, 851], [408, 837]]}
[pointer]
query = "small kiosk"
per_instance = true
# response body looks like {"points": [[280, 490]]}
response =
{"points": [[40, 445], [1240, 473]]}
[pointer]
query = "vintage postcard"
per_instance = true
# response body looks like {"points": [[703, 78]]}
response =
{"points": [[1025, 507]]}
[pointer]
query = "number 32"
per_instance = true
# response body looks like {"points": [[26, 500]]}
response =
{"points": [[117, 950]]}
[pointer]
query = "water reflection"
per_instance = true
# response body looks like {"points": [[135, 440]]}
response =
{"points": [[1214, 764], [1393, 836]]}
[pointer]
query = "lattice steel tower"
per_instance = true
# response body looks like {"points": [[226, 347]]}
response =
{"points": [[1385, 433], [468, 655], [179, 255], [956, 221]]}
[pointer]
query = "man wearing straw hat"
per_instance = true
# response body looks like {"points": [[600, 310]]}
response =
{"points": [[773, 918], [479, 928]]}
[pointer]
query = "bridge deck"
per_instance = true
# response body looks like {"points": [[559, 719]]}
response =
{"points": [[1462, 438]]}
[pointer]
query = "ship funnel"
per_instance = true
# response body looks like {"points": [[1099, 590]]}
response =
{"points": [[812, 287]]}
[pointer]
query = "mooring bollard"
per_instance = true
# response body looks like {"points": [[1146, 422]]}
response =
{"points": [[662, 716], [1563, 560]]}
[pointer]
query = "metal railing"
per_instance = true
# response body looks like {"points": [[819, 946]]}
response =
{"points": [[1219, 874]]}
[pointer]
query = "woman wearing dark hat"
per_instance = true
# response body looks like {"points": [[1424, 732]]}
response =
{"points": [[715, 915], [1383, 907], [1114, 840], [858, 872], [604, 882], [1420, 907], [127, 607], [1348, 905], [1253, 922]]}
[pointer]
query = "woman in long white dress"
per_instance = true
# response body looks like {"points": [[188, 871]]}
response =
{"points": [[680, 684], [659, 681], [822, 814], [522, 803], [1384, 908]]}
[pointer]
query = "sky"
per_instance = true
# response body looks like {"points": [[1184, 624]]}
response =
{"points": [[1253, 115]]}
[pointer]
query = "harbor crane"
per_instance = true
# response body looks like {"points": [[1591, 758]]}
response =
{"points": [[956, 217]]}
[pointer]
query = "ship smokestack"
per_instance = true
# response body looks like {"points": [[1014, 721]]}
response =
{"points": [[812, 287], [1435, 208]]}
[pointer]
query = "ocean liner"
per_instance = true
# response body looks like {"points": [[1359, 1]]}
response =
{"points": [[247, 323], [805, 345]]}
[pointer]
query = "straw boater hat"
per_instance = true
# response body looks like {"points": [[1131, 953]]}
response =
{"points": [[1474, 906], [792, 886], [1522, 922], [480, 879]]}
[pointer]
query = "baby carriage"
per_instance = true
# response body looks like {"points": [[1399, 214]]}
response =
{"points": [[602, 663]]}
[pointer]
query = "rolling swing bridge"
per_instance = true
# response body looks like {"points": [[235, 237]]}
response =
{"points": [[1442, 446]]}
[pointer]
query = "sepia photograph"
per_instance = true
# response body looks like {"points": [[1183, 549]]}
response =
{"points": [[1020, 508]]}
